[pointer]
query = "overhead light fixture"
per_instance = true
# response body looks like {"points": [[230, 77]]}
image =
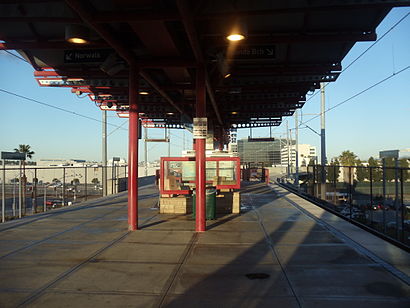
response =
{"points": [[227, 75], [144, 93], [76, 34], [234, 112], [238, 32], [234, 37], [170, 113]]}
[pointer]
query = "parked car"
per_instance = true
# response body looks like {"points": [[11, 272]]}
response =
{"points": [[375, 206], [53, 203], [346, 211]]}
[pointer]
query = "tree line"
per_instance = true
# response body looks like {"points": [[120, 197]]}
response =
{"points": [[373, 171]]}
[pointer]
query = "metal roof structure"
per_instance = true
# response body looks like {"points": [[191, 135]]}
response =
{"points": [[289, 48]]}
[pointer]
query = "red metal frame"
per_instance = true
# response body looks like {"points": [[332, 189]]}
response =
{"points": [[133, 151], [162, 167], [163, 191]]}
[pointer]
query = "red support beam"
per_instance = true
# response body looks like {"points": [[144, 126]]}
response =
{"points": [[200, 223], [49, 45], [219, 40], [133, 150], [189, 24], [87, 15], [331, 6]]}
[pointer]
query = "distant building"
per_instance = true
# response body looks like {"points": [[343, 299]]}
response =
{"points": [[62, 162], [405, 153], [307, 153]]}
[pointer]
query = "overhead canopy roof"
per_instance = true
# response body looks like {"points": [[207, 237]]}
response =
{"points": [[290, 47]]}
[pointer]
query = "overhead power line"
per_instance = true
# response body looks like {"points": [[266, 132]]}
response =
{"points": [[359, 93], [364, 52], [55, 107], [16, 56]]}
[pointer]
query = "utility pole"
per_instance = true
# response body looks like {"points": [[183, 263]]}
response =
{"points": [[323, 140], [146, 150], [104, 151], [297, 148], [287, 146], [20, 190], [280, 151], [3, 193], [183, 140]]}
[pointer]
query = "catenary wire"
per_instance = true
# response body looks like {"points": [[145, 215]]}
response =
{"points": [[55, 107], [357, 94], [16, 56], [363, 53], [117, 128]]}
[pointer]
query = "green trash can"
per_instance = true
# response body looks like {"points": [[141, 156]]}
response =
{"points": [[210, 207]]}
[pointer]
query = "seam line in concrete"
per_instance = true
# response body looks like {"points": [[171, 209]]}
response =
{"points": [[355, 245], [57, 234], [174, 274], [65, 274], [274, 252]]}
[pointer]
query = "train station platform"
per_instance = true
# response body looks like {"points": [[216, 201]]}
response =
{"points": [[281, 251]]}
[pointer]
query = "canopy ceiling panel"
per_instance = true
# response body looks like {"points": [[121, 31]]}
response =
{"points": [[289, 48]]}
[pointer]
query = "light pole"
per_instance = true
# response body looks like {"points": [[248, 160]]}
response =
{"points": [[3, 194], [104, 151], [297, 148], [45, 198], [322, 140], [146, 150], [287, 145]]}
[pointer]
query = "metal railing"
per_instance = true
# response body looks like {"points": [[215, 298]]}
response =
{"points": [[375, 197], [29, 190]]}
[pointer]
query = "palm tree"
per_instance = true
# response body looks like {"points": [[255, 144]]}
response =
{"points": [[347, 159], [26, 149]]}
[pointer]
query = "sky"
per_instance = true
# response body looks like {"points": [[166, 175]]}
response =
{"points": [[373, 121]]}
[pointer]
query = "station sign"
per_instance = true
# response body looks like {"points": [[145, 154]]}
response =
{"points": [[389, 154], [13, 155], [78, 82], [233, 134], [86, 55], [255, 52], [200, 129]]}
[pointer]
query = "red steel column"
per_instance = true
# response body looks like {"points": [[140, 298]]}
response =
{"points": [[200, 224], [133, 150]]}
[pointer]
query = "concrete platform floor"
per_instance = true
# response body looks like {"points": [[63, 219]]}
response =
{"points": [[281, 251]]}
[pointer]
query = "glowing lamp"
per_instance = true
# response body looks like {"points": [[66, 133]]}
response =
{"points": [[234, 37], [76, 34]]}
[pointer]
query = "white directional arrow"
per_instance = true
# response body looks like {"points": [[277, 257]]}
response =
{"points": [[68, 56], [269, 51]]}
